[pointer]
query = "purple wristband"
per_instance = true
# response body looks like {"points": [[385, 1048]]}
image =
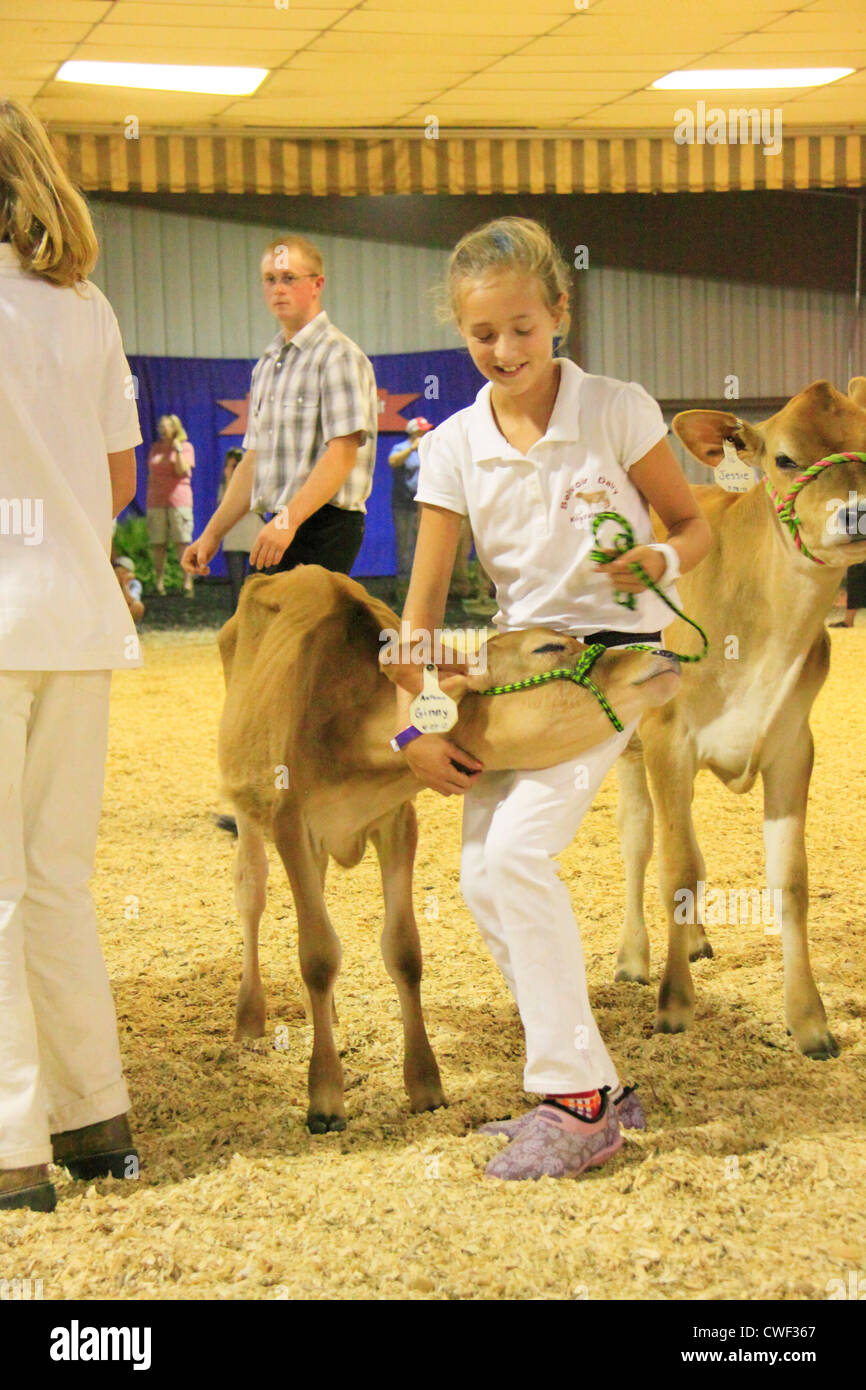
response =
{"points": [[398, 743]]}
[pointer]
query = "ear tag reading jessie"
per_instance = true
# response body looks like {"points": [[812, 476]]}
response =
{"points": [[432, 711], [733, 475]]}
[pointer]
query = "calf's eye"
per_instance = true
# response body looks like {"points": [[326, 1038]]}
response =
{"points": [[550, 647], [784, 461]]}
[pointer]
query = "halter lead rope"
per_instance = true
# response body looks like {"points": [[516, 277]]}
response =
{"points": [[581, 672], [785, 505]]}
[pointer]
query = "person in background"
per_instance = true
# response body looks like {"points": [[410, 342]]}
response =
{"points": [[169, 496], [239, 541], [63, 628], [124, 568], [311, 433], [855, 585], [461, 584], [405, 463]]}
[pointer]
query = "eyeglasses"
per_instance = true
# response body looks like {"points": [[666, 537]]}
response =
{"points": [[289, 279]]}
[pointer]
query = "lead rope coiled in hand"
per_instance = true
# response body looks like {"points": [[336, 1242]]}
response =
{"points": [[581, 672]]}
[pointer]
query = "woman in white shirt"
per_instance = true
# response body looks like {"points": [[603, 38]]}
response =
{"points": [[68, 430]]}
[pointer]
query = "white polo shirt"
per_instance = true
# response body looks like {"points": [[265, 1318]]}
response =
{"points": [[531, 514], [66, 400]]}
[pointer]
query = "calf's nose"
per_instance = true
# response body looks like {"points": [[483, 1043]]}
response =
{"points": [[671, 656]]}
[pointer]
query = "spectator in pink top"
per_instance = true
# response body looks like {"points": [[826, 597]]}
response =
{"points": [[169, 496]]}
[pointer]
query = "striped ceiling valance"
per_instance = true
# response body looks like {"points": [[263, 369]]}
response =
{"points": [[251, 163]]}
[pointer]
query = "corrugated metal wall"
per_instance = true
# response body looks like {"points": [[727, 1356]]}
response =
{"points": [[185, 286], [681, 337], [188, 286]]}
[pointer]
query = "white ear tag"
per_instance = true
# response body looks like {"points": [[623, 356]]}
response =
{"points": [[733, 475], [432, 711]]}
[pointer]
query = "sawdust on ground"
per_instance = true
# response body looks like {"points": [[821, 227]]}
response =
{"points": [[747, 1184]]}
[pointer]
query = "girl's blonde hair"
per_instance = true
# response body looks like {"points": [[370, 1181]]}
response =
{"points": [[505, 245], [42, 215], [177, 428]]}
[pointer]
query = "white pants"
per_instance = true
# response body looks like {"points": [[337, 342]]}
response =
{"points": [[59, 1057], [514, 823]]}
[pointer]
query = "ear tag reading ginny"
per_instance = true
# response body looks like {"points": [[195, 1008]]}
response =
{"points": [[432, 711]]}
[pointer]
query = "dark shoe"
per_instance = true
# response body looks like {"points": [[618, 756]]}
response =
{"points": [[26, 1187], [103, 1150]]}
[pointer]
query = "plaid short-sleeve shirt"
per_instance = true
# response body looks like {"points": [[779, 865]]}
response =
{"points": [[304, 393]]}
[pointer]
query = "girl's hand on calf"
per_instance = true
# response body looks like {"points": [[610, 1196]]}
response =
{"points": [[432, 756]]}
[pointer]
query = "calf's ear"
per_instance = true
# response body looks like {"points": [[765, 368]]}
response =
{"points": [[703, 432], [455, 686], [857, 390]]}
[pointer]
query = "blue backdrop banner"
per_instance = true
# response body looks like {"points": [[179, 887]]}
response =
{"points": [[210, 396]]}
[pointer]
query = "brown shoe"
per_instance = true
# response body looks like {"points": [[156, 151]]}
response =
{"points": [[98, 1151], [27, 1187]]}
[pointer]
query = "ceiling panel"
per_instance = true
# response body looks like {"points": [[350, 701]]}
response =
{"points": [[474, 63], [183, 38], [142, 53], [252, 16], [39, 11]]}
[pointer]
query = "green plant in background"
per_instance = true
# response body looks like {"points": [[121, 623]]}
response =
{"points": [[130, 538]]}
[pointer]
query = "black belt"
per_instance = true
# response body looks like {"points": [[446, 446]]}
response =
{"points": [[609, 638]]}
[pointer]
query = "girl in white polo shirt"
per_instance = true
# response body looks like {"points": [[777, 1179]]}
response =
{"points": [[542, 450], [68, 427]]}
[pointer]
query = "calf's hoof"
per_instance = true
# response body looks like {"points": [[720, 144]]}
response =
{"points": [[423, 1083], [703, 951], [673, 1016], [432, 1099], [670, 1025], [317, 1123], [250, 1020], [626, 975], [820, 1049]]}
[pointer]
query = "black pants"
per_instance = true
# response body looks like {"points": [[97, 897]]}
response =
{"points": [[330, 537], [237, 564], [608, 638], [856, 586]]}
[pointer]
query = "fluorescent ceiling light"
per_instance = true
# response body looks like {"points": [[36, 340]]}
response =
{"points": [[747, 79], [166, 77]]}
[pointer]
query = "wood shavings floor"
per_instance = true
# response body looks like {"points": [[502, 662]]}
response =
{"points": [[747, 1184]]}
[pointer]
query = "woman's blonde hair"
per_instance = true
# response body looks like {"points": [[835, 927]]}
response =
{"points": [[42, 215], [177, 428], [505, 245]]}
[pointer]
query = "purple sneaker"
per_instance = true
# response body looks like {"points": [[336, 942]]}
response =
{"points": [[629, 1109], [627, 1104], [556, 1144]]}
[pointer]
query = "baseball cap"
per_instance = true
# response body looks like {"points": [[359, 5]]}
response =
{"points": [[418, 425]]}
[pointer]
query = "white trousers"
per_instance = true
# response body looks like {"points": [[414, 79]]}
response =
{"points": [[59, 1056], [514, 824]]}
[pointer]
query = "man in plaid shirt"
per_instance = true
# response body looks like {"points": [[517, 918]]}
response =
{"points": [[310, 444]]}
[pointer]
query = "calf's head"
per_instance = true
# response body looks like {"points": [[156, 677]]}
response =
{"points": [[557, 719], [830, 510]]}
